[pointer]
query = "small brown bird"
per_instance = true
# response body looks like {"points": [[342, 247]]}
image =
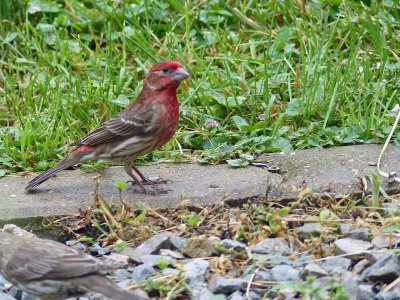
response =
{"points": [[143, 126], [53, 271]]}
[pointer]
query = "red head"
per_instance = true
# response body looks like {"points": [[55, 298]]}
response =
{"points": [[165, 75]]}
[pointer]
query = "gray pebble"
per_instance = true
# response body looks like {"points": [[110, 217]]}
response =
{"points": [[153, 260], [224, 285], [285, 273], [385, 269], [237, 296], [142, 272], [197, 271], [177, 242], [336, 264], [351, 246], [359, 233], [366, 291], [361, 266], [345, 228], [236, 245], [121, 274], [312, 269], [151, 246], [309, 230], [272, 246]]}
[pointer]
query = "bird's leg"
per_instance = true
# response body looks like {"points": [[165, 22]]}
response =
{"points": [[146, 181], [128, 169]]}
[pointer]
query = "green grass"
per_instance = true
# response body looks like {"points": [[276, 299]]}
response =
{"points": [[273, 76]]}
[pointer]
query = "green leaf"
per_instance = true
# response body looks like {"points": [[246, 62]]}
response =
{"points": [[246, 156], [140, 217], [192, 221], [2, 173], [121, 185], [48, 32], [237, 163], [120, 245], [10, 37], [231, 102], [293, 109], [240, 122], [162, 263]]}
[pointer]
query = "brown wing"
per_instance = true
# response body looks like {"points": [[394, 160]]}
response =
{"points": [[134, 120], [38, 258]]}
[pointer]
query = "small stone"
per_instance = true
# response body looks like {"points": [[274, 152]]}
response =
{"points": [[309, 230], [388, 295], [361, 266], [285, 273], [272, 246], [390, 208], [312, 269], [275, 260], [171, 253], [323, 284], [256, 294], [199, 246], [345, 228], [121, 274], [287, 293], [366, 291], [170, 271], [15, 292], [75, 244], [263, 275], [196, 271], [382, 241], [385, 269], [151, 246], [122, 284], [142, 272], [224, 285], [202, 293], [116, 260], [154, 260], [350, 285], [177, 242], [97, 250], [359, 234], [237, 296], [5, 296], [2, 282], [237, 246], [26, 296], [351, 246], [336, 264]]}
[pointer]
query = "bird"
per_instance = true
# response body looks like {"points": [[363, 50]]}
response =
{"points": [[53, 271], [143, 126]]}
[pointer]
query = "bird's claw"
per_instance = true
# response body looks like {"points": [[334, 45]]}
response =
{"points": [[152, 192], [153, 181]]}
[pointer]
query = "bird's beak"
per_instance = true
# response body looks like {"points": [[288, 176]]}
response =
{"points": [[179, 75]]}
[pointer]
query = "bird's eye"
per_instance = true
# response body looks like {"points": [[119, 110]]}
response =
{"points": [[165, 70]]}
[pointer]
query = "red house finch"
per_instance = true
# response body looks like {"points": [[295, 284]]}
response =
{"points": [[143, 126], [54, 271]]}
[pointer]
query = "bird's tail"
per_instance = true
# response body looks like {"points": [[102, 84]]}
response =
{"points": [[102, 285], [67, 162]]}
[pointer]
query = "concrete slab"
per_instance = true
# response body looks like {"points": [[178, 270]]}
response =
{"points": [[334, 170], [71, 190]]}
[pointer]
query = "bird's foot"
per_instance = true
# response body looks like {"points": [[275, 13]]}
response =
{"points": [[153, 192], [152, 181]]}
